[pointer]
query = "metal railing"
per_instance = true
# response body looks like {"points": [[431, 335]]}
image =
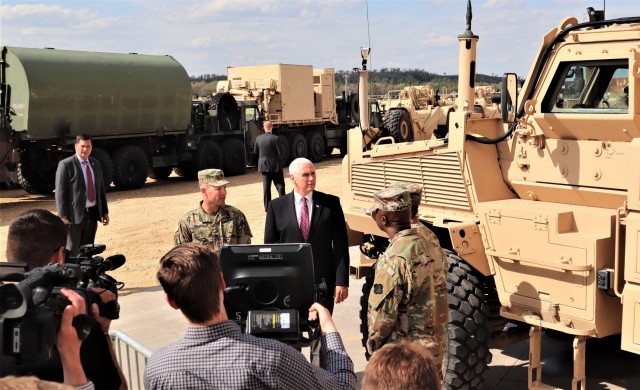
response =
{"points": [[132, 357]]}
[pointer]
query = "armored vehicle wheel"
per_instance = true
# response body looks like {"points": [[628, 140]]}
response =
{"points": [[283, 149], [233, 157], [315, 141], [160, 173], [106, 165], [398, 124], [297, 146], [130, 167], [468, 330], [227, 110], [207, 156], [34, 180]]}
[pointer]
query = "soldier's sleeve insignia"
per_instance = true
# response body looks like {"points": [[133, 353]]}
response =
{"points": [[377, 289]]}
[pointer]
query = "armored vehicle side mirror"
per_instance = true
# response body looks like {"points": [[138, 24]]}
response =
{"points": [[509, 97]]}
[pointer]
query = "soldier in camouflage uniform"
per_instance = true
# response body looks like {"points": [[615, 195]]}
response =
{"points": [[402, 302], [213, 222], [415, 193], [436, 251]]}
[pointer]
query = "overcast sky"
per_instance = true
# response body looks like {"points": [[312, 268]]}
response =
{"points": [[207, 36]]}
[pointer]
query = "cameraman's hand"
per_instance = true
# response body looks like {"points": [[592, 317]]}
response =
{"points": [[321, 314], [105, 296], [67, 340]]}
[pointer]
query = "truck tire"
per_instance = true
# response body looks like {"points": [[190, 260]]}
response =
{"points": [[130, 167], [283, 149], [233, 157], [468, 329], [355, 108], [398, 124], [297, 146], [160, 173], [34, 180], [227, 110], [106, 165], [207, 156], [315, 142]]}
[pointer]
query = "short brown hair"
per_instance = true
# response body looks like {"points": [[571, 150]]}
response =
{"points": [[190, 275], [401, 366], [83, 137], [34, 236]]}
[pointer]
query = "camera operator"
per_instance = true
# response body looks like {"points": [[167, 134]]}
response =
{"points": [[68, 344], [37, 238], [215, 354]]}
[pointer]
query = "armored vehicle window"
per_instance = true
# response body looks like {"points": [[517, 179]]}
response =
{"points": [[589, 87], [250, 114]]}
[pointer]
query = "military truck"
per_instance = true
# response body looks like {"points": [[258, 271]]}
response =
{"points": [[301, 102], [138, 109], [538, 209]]}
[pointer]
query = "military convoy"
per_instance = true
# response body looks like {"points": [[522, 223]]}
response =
{"points": [[138, 109], [140, 113], [539, 208]]}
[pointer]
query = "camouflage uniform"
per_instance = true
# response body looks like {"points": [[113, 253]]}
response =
{"points": [[441, 267], [402, 301], [226, 226]]}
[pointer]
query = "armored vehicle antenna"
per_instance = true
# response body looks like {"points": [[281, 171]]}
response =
{"points": [[467, 65]]}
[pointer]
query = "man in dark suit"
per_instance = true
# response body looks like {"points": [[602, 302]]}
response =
{"points": [[266, 148], [327, 230], [81, 197], [305, 215]]}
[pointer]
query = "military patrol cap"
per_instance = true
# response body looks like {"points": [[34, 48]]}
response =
{"points": [[391, 199], [415, 191], [214, 177]]}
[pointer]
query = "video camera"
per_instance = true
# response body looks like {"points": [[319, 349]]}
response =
{"points": [[268, 287], [31, 310]]}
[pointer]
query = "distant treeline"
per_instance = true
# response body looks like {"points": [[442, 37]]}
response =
{"points": [[380, 81], [205, 84]]}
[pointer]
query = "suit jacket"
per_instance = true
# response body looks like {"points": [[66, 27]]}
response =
{"points": [[71, 191], [327, 235], [266, 147]]}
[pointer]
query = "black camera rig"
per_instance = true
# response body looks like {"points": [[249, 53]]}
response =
{"points": [[31, 309]]}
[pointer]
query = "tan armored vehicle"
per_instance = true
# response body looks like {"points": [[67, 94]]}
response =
{"points": [[539, 209], [416, 113], [420, 113]]}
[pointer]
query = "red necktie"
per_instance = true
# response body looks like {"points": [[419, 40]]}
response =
{"points": [[92, 194], [304, 219]]}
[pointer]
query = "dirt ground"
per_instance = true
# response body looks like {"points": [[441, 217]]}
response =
{"points": [[143, 221]]}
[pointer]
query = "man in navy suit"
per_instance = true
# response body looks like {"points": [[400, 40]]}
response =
{"points": [[266, 148], [327, 230], [81, 197], [305, 215]]}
